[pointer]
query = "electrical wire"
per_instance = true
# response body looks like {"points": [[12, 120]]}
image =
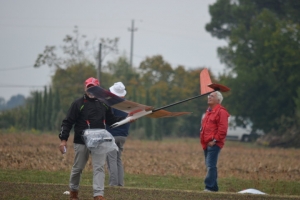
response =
{"points": [[15, 68]]}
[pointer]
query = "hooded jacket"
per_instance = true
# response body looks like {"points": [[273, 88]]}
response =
{"points": [[214, 126]]}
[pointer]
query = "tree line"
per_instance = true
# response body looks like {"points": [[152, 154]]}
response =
{"points": [[14, 101], [262, 70], [154, 83]]}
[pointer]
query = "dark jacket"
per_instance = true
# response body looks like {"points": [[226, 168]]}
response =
{"points": [[120, 130], [83, 111]]}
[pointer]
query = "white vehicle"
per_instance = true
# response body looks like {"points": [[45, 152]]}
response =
{"points": [[241, 134]]}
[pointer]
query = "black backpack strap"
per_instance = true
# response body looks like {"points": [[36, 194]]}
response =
{"points": [[86, 114]]}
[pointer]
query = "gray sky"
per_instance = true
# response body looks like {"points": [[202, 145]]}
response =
{"points": [[174, 29]]}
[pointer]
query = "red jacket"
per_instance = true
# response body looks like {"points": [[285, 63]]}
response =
{"points": [[214, 126]]}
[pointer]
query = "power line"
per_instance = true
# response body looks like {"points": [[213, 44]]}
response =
{"points": [[15, 68], [57, 27], [26, 86]]}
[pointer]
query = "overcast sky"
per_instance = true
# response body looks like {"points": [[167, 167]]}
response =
{"points": [[174, 29]]}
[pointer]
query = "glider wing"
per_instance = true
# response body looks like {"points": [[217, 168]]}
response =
{"points": [[116, 102], [135, 109], [164, 113]]}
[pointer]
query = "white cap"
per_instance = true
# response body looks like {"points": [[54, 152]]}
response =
{"points": [[118, 89]]}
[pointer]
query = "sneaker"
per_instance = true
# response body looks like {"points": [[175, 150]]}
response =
{"points": [[99, 198], [207, 190]]}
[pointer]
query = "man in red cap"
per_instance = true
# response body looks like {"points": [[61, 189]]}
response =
{"points": [[86, 112], [212, 135]]}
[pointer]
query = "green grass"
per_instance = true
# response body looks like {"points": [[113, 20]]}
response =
{"points": [[28, 184], [30, 191]]}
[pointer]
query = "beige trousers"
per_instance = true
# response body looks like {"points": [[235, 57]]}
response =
{"points": [[98, 161]]}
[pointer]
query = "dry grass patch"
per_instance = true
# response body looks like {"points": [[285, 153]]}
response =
{"points": [[177, 157]]}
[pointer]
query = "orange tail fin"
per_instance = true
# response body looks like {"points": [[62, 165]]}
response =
{"points": [[207, 86], [204, 82]]}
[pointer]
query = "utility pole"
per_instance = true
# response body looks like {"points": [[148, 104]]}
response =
{"points": [[99, 62], [132, 29]]}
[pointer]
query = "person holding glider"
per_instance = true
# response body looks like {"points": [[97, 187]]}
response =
{"points": [[87, 112]]}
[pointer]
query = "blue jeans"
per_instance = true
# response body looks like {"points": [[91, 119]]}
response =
{"points": [[211, 158]]}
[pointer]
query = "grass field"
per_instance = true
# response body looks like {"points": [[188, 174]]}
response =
{"points": [[31, 167]]}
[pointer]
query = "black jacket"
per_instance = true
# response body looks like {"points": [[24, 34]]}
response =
{"points": [[84, 109]]}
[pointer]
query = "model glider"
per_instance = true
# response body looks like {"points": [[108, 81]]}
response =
{"points": [[137, 110]]}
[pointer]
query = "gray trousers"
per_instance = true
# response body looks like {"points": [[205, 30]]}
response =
{"points": [[114, 163], [98, 161]]}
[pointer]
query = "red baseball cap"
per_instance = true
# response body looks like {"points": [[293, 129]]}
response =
{"points": [[91, 82]]}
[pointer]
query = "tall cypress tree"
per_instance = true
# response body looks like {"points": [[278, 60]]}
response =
{"points": [[44, 110], [35, 110], [134, 126], [148, 121], [40, 111], [49, 109], [55, 109], [158, 122], [30, 117]]}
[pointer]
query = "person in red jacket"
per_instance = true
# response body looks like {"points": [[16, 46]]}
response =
{"points": [[212, 136]]}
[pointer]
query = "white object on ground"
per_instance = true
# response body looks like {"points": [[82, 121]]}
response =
{"points": [[251, 191], [67, 192]]}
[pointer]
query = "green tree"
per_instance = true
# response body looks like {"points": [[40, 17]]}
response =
{"points": [[49, 110], [30, 117], [158, 124], [148, 121], [173, 85], [35, 110], [76, 49], [186, 84], [155, 69], [74, 64], [69, 82], [44, 109], [121, 69], [261, 57], [40, 111], [56, 111]]}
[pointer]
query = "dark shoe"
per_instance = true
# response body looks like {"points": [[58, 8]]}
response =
{"points": [[99, 198], [74, 195]]}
